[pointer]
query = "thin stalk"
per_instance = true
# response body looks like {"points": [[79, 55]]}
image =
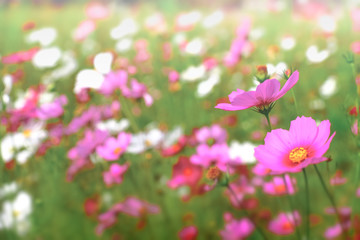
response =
{"points": [[246, 213], [295, 102], [307, 204], [268, 121], [291, 208], [332, 200]]}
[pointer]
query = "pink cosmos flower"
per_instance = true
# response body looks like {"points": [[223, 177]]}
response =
{"points": [[112, 81], [214, 132], [137, 90], [338, 179], [84, 29], [97, 11], [284, 223], [115, 174], [188, 233], [240, 188], [265, 94], [52, 110], [236, 229], [114, 147], [185, 173], [20, 57], [277, 186], [137, 208], [355, 47], [355, 17], [106, 220], [217, 154], [334, 231], [173, 76], [290, 151]]}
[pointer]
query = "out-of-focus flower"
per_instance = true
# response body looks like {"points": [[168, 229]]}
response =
{"points": [[288, 42], [185, 173], [334, 231], [328, 88], [236, 229], [193, 73], [156, 23], [266, 93], [240, 188], [47, 57], [315, 56], [291, 150], [187, 21], [53, 109], [206, 86], [94, 78], [280, 187], [213, 133], [113, 126], [213, 19], [188, 233], [15, 214], [96, 11], [244, 151], [355, 17], [113, 148], [126, 28], [285, 223], [338, 178], [355, 47], [84, 29], [115, 174], [44, 36], [20, 57], [140, 142]]}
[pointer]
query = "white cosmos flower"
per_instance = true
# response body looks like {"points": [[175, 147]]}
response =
{"points": [[44, 36], [256, 34], [195, 47], [205, 87], [193, 73], [213, 19], [328, 88], [314, 56], [245, 151], [125, 28], [47, 57], [317, 104], [15, 213], [69, 65], [287, 43], [113, 126], [123, 45], [327, 23], [172, 136], [276, 71], [186, 20], [93, 78], [140, 142], [8, 188]]}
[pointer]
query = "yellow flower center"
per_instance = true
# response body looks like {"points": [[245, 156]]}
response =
{"points": [[117, 150], [297, 155], [27, 133]]}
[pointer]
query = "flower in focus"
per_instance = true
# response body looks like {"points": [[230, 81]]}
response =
{"points": [[290, 151], [265, 94], [114, 147]]}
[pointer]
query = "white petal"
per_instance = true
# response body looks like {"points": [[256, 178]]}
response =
{"points": [[47, 57], [44, 36], [102, 62], [88, 79]]}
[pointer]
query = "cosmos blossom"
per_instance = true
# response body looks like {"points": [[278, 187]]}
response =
{"points": [[291, 150], [114, 147], [284, 223], [265, 94]]}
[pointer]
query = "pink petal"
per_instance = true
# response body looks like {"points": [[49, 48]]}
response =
{"points": [[288, 85]]}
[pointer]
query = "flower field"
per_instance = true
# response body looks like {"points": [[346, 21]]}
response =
{"points": [[179, 120]]}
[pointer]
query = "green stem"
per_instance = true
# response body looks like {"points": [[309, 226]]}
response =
{"points": [[307, 204], [332, 200], [129, 116], [246, 213], [295, 102], [291, 207], [268, 121]]}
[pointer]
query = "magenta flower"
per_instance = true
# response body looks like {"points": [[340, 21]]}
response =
{"points": [[217, 155], [185, 173], [114, 147], [52, 110], [113, 81], [137, 208], [277, 186], [290, 151], [214, 132], [285, 223], [188, 233], [20, 57], [265, 94], [115, 174], [236, 229]]}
